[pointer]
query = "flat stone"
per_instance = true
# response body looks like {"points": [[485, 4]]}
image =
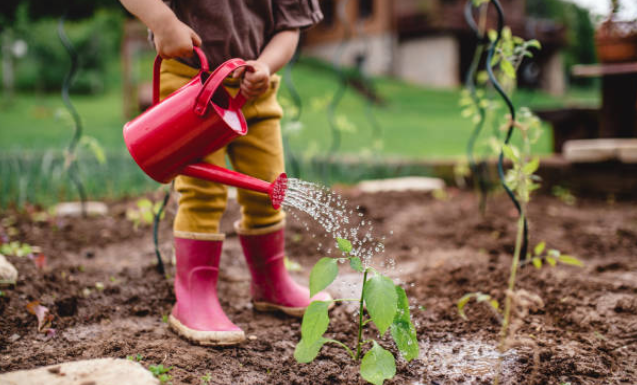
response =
{"points": [[74, 209], [8, 273], [412, 183], [600, 150], [103, 371]]}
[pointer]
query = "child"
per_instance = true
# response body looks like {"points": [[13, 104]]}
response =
{"points": [[265, 33]]}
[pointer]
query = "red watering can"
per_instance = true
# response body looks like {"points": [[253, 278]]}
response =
{"points": [[171, 137]]}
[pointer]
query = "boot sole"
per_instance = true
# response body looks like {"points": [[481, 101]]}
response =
{"points": [[206, 338], [291, 311]]}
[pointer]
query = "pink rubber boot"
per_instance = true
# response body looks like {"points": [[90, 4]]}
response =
{"points": [[197, 315], [272, 287]]}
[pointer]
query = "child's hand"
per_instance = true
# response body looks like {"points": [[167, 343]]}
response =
{"points": [[255, 83], [175, 39]]}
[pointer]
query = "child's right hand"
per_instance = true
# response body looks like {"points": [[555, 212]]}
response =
{"points": [[175, 39]]}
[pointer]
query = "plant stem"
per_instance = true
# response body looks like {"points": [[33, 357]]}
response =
{"points": [[349, 351], [509, 296], [359, 344]]}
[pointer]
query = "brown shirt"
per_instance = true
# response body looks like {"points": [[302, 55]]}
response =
{"points": [[242, 28]]}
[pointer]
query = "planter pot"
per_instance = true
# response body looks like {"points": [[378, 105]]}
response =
{"points": [[616, 42]]}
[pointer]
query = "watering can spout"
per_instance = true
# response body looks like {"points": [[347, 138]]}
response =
{"points": [[275, 190]]}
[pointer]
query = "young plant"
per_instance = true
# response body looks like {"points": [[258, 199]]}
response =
{"points": [[161, 373], [386, 306], [144, 213], [505, 54]]}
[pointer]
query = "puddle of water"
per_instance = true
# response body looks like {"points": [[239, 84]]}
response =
{"points": [[464, 362]]}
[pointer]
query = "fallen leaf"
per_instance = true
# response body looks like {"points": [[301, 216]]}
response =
{"points": [[42, 314]]}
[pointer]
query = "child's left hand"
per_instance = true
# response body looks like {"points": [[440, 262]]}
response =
{"points": [[256, 82]]}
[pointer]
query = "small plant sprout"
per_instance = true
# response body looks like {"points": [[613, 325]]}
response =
{"points": [[381, 302], [550, 257], [144, 213], [161, 373], [16, 249], [137, 357], [205, 380]]}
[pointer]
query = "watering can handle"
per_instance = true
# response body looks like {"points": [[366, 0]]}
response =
{"points": [[157, 67], [214, 81]]}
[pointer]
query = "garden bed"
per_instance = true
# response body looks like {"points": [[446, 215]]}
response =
{"points": [[108, 300]]}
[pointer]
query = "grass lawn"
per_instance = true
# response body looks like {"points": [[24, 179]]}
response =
{"points": [[414, 123]]}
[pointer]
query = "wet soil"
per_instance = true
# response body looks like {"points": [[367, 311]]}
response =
{"points": [[572, 325]]}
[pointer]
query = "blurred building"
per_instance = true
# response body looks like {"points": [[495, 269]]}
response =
{"points": [[427, 42]]}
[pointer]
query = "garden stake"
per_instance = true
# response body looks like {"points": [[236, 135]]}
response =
{"points": [[510, 125], [70, 161], [478, 172], [156, 219], [171, 137]]}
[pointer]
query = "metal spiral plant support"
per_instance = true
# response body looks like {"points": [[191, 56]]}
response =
{"points": [[70, 162], [478, 171], [156, 220], [511, 123], [298, 103], [340, 91]]}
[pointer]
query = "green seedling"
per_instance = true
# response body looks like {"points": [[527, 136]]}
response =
{"points": [[381, 302], [137, 357], [16, 249], [564, 195], [161, 372], [144, 213], [205, 380]]}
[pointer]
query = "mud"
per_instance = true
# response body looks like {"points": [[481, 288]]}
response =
{"points": [[101, 285]]}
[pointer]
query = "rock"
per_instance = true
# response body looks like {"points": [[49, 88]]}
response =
{"points": [[8, 273], [74, 209], [402, 184], [103, 371]]}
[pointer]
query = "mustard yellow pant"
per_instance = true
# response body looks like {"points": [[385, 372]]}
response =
{"points": [[258, 154]]}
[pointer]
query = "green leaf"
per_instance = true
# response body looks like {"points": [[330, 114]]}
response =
{"points": [[551, 261], [378, 365], [534, 43], [537, 262], [493, 34], [144, 204], [569, 260], [344, 245], [307, 352], [356, 264], [402, 330], [539, 248], [482, 297], [380, 297], [323, 274], [462, 302], [532, 166], [507, 68], [510, 153], [315, 321], [494, 304]]}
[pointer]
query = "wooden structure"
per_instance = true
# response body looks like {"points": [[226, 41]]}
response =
{"points": [[433, 33], [618, 116]]}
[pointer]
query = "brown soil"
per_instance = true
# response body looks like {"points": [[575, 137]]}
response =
{"points": [[582, 331]]}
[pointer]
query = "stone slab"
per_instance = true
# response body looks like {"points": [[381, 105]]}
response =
{"points": [[8, 273], [103, 371], [74, 209], [402, 184], [600, 150]]}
